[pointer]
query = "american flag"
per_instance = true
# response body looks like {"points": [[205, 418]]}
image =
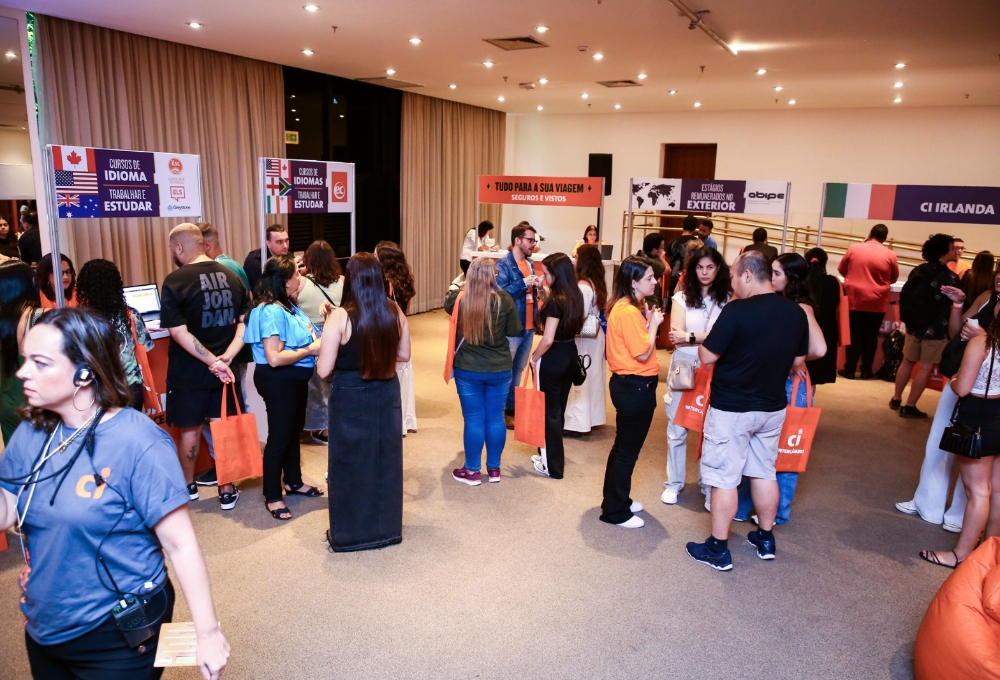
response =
{"points": [[78, 182], [272, 167]]}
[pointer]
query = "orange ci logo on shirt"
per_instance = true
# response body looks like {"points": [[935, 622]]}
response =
{"points": [[86, 483]]}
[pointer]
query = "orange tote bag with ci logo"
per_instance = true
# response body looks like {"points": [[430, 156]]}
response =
{"points": [[694, 402], [798, 432], [449, 360], [237, 446], [529, 411]]}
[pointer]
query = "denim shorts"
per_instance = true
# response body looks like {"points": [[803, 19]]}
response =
{"points": [[738, 444]]}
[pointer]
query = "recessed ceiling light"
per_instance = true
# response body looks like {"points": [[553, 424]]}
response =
{"points": [[341, 115], [697, 104], [415, 41], [761, 71], [897, 100], [310, 8], [292, 96], [308, 53], [618, 106], [541, 29], [453, 86], [900, 65], [488, 64], [10, 54], [641, 76], [500, 98], [540, 108], [296, 120], [598, 56], [584, 95], [195, 24], [778, 88], [542, 81], [791, 102], [673, 91], [897, 84], [294, 111], [390, 71]]}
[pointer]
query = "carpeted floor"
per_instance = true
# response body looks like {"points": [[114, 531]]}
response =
{"points": [[520, 579]]}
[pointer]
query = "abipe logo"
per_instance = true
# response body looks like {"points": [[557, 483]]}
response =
{"points": [[765, 196], [175, 166]]}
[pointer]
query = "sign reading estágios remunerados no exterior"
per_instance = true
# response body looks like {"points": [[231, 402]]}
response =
{"points": [[89, 182], [742, 196], [294, 186], [583, 192]]}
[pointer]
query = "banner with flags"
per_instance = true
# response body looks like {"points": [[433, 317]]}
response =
{"points": [[292, 186], [913, 202], [90, 182]]}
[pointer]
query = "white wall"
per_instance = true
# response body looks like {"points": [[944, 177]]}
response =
{"points": [[952, 146]]}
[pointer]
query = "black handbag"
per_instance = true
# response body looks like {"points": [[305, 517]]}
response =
{"points": [[960, 439], [582, 364], [951, 357]]}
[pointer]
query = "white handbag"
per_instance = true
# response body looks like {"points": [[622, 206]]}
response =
{"points": [[591, 326]]}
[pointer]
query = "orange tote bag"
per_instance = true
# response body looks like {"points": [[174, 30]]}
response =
{"points": [[843, 318], [237, 446], [694, 402], [529, 411], [797, 434], [449, 360], [150, 395]]}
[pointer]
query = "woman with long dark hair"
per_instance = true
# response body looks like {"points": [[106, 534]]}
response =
{"points": [[635, 370], [8, 240], [589, 238], [824, 291], [482, 367], [46, 282], [562, 319], [284, 344], [587, 406], [99, 287], [695, 309], [98, 496], [477, 240], [977, 384], [399, 286], [362, 342], [979, 278], [19, 309], [790, 278], [322, 283]]}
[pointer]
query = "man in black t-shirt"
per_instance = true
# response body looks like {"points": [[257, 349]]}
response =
{"points": [[761, 246], [203, 304], [30, 243], [756, 342], [276, 239]]}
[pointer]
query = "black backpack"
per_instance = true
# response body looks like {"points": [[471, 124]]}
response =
{"points": [[918, 303], [892, 348]]}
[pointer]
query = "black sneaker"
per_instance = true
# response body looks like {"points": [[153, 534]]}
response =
{"points": [[193, 492], [700, 552], [319, 437], [866, 376], [227, 501], [911, 412], [894, 404], [850, 375], [765, 546], [207, 478]]}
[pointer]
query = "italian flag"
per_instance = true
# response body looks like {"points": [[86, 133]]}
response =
{"points": [[860, 201]]}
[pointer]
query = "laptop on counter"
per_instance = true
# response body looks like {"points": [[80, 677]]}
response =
{"points": [[606, 251], [145, 299]]}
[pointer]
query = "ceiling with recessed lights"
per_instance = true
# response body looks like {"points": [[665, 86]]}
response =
{"points": [[833, 54]]}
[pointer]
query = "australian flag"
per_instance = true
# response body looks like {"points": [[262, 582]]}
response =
{"points": [[78, 205]]}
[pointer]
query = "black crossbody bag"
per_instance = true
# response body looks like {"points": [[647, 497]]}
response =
{"points": [[962, 440]]}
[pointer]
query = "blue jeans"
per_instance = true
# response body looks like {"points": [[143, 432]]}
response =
{"points": [[482, 396], [520, 351], [786, 480]]}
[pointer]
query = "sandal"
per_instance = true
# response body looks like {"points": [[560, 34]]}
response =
{"points": [[313, 491], [932, 557], [282, 514]]}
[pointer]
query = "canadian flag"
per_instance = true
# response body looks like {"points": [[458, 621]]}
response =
{"points": [[75, 158]]}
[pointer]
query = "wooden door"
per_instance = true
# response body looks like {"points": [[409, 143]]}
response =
{"points": [[686, 161]]}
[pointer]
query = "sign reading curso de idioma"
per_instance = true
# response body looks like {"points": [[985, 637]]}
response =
{"points": [[294, 186], [89, 182]]}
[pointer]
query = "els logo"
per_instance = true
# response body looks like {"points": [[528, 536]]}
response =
{"points": [[175, 166], [177, 193], [338, 187]]}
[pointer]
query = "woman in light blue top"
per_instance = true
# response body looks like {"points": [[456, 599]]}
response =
{"points": [[285, 344]]}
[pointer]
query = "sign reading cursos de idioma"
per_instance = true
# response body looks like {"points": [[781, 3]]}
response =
{"points": [[294, 186], [89, 182]]}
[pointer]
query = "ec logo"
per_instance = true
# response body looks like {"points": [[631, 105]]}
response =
{"points": [[82, 489], [175, 166], [338, 187], [795, 440]]}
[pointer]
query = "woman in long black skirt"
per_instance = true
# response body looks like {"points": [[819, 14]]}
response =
{"points": [[362, 341]]}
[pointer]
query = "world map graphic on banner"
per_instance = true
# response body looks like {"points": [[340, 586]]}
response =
{"points": [[91, 183], [295, 186], [656, 194]]}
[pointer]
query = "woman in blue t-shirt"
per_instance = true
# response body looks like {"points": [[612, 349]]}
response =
{"points": [[98, 495], [285, 345]]}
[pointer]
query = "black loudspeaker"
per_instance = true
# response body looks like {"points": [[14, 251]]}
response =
{"points": [[600, 166]]}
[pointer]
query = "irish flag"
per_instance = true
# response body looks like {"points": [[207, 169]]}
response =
{"points": [[860, 201]]}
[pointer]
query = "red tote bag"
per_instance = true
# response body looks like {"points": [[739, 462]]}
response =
{"points": [[798, 432], [237, 446], [529, 411], [694, 402], [843, 318], [449, 359]]}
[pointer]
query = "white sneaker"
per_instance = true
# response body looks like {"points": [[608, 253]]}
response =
{"points": [[636, 507], [537, 458], [633, 523], [907, 507], [539, 467], [669, 497], [953, 528], [708, 503]]}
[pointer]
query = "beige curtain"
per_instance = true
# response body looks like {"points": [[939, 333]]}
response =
{"points": [[105, 88], [445, 147]]}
